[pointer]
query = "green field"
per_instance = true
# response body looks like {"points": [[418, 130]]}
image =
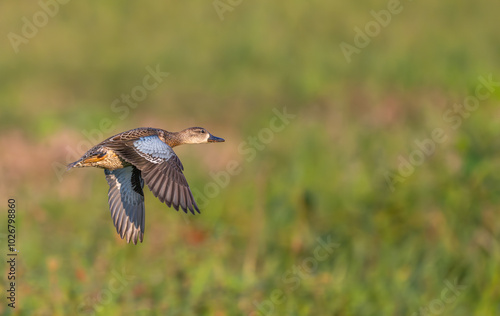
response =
{"points": [[376, 194]]}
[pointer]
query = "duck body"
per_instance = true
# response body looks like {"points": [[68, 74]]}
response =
{"points": [[143, 156], [103, 156]]}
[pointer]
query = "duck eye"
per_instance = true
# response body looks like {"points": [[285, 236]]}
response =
{"points": [[202, 131]]}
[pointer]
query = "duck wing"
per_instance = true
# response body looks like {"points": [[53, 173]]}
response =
{"points": [[161, 169], [126, 202]]}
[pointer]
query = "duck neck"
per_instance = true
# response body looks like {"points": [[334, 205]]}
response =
{"points": [[172, 139]]}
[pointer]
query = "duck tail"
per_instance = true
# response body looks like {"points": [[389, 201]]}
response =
{"points": [[76, 164]]}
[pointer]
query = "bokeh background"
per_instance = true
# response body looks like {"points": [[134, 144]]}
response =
{"points": [[426, 243]]}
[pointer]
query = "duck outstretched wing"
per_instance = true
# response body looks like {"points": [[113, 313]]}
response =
{"points": [[161, 169], [126, 202]]}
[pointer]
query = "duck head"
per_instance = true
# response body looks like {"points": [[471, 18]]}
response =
{"points": [[198, 135]]}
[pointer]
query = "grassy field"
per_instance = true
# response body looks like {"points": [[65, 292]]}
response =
{"points": [[360, 183]]}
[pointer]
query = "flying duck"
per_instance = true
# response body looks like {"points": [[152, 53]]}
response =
{"points": [[143, 155]]}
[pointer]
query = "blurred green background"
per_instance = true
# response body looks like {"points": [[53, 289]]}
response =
{"points": [[426, 243]]}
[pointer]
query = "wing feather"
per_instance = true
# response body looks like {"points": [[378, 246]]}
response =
{"points": [[126, 202]]}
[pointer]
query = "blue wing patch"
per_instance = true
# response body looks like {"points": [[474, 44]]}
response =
{"points": [[153, 149]]}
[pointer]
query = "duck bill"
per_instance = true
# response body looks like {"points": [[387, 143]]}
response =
{"points": [[215, 139]]}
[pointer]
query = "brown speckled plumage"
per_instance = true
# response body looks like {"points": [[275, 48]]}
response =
{"points": [[138, 156]]}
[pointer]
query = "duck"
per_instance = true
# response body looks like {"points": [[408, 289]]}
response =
{"points": [[141, 156]]}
